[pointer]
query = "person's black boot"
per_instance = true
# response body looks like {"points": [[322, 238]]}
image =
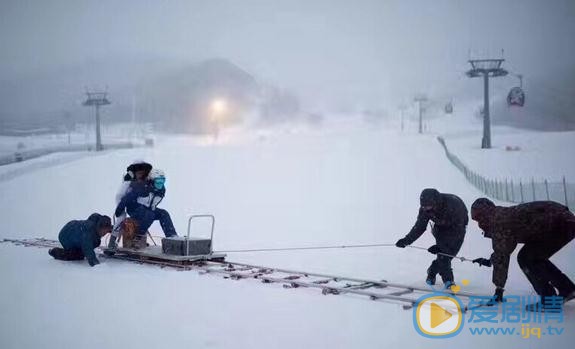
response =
{"points": [[568, 296], [430, 280], [66, 255], [447, 285], [112, 246], [57, 253]]}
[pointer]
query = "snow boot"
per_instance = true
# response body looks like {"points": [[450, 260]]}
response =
{"points": [[567, 297], [55, 252], [430, 280], [112, 246], [66, 255]]}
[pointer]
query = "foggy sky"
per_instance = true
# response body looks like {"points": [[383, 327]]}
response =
{"points": [[330, 50]]}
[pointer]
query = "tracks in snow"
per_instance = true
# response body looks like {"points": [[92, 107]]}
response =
{"points": [[377, 290]]}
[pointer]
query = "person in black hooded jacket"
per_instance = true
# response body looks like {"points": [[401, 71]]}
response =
{"points": [[79, 238], [449, 215], [544, 227]]}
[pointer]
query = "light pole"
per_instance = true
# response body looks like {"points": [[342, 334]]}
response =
{"points": [[97, 99], [486, 68], [218, 108]]}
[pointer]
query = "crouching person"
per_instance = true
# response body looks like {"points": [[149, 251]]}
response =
{"points": [[544, 227], [79, 238]]}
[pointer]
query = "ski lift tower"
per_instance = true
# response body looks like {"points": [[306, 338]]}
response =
{"points": [[420, 98], [97, 99], [486, 68]]}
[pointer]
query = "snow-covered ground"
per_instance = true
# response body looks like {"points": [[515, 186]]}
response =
{"points": [[517, 154], [82, 134], [351, 184]]}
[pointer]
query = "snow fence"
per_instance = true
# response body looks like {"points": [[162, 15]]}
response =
{"points": [[515, 190]]}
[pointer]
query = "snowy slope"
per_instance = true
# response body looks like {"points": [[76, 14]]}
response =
{"points": [[347, 185], [540, 155]]}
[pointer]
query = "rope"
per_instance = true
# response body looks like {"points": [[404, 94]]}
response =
{"points": [[306, 248], [463, 259]]}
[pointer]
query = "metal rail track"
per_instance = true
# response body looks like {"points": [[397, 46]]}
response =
{"points": [[377, 290]]}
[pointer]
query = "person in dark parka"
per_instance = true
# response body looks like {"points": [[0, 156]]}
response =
{"points": [[79, 238], [544, 227], [449, 215]]}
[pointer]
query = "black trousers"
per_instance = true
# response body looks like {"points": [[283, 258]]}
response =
{"points": [[545, 277], [449, 240]]}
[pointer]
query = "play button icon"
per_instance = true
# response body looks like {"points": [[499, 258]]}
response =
{"points": [[438, 316]]}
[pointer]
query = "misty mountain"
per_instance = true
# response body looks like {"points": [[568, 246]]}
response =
{"points": [[181, 99], [175, 95]]}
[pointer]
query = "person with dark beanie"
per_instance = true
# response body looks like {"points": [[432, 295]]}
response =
{"points": [[449, 216], [79, 238], [544, 227]]}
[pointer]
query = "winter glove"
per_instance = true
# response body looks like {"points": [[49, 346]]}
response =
{"points": [[401, 243], [118, 212], [482, 261], [497, 297], [434, 249]]}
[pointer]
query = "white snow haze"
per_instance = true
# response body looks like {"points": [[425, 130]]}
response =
{"points": [[295, 123]]}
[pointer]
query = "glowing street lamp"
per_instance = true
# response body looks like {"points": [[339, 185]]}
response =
{"points": [[218, 109]]}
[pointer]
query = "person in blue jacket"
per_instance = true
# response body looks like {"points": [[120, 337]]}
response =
{"points": [[79, 238], [141, 203], [138, 171]]}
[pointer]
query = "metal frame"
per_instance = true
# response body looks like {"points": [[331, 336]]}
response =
{"points": [[420, 99], [211, 234], [96, 100], [486, 68], [294, 279], [155, 252], [382, 283]]}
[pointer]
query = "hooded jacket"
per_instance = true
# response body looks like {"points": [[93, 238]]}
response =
{"points": [[448, 215], [140, 194], [82, 235], [524, 223]]}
